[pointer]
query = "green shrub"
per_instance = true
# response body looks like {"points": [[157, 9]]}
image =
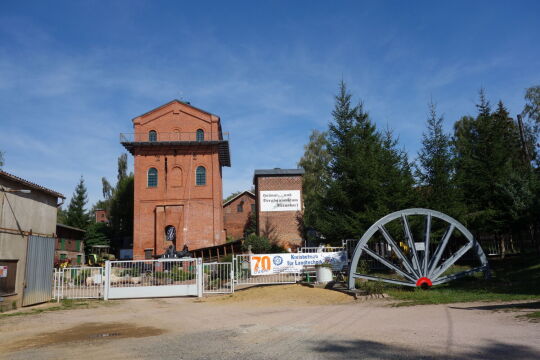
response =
{"points": [[131, 272], [258, 244], [179, 274], [226, 258]]}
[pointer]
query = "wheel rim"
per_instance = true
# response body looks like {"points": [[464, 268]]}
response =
{"points": [[414, 267]]}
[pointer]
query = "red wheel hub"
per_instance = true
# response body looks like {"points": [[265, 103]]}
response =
{"points": [[424, 282]]}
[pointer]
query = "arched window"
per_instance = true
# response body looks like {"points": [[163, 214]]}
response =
{"points": [[200, 176], [200, 135], [152, 177], [152, 135]]}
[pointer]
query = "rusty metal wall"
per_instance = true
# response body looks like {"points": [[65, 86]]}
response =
{"points": [[39, 270]]}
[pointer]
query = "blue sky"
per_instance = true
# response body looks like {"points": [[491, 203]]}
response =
{"points": [[73, 74]]}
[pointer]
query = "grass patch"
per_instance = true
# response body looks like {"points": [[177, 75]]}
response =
{"points": [[62, 305], [514, 278], [532, 317]]}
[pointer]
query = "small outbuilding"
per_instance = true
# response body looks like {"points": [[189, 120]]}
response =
{"points": [[69, 245], [28, 214]]}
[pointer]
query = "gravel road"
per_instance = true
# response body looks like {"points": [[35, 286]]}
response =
{"points": [[285, 322]]}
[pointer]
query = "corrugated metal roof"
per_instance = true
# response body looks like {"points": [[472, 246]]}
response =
{"points": [[30, 184], [70, 227]]}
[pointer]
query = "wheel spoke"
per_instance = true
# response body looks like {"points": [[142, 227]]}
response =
{"points": [[426, 246], [412, 246], [440, 249], [391, 281], [450, 261], [388, 264], [406, 263], [459, 275]]}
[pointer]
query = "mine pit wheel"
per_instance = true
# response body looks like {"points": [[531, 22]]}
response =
{"points": [[423, 269]]}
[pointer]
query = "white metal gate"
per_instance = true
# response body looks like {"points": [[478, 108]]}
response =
{"points": [[242, 274], [78, 283], [153, 278], [218, 278]]}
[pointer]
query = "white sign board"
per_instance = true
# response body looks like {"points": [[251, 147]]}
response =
{"points": [[268, 264], [3, 271], [280, 200]]}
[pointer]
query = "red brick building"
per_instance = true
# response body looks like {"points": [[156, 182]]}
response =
{"points": [[69, 244], [237, 212], [179, 151], [279, 204], [101, 215]]}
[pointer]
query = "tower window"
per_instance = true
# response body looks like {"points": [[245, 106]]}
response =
{"points": [[152, 177], [152, 135], [200, 176], [200, 135]]}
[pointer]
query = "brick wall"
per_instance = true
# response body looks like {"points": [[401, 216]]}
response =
{"points": [[101, 216], [284, 222], [234, 220]]}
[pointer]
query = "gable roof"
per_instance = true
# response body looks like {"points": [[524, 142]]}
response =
{"points": [[237, 196], [29, 184], [171, 102]]}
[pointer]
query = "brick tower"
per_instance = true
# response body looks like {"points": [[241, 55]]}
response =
{"points": [[179, 151], [279, 203]]}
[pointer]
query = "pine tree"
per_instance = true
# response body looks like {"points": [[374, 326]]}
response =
{"points": [[1, 159], [76, 214], [369, 176], [490, 173], [434, 167]]}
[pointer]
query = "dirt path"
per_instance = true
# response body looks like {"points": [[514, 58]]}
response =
{"points": [[286, 322]]}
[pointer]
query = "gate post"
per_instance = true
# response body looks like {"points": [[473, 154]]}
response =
{"points": [[106, 278], [232, 276], [199, 269]]}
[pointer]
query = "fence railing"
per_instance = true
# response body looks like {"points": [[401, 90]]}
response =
{"points": [[218, 278], [173, 136], [242, 274], [153, 278], [78, 283], [316, 249], [158, 278]]}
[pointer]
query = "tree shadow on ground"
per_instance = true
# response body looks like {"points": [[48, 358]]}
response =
{"points": [[522, 305], [367, 350]]}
